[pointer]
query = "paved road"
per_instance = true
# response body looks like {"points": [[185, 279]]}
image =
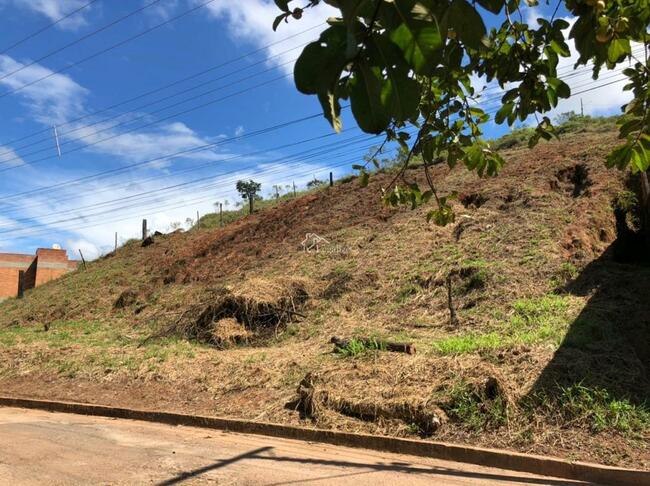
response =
{"points": [[55, 449]]}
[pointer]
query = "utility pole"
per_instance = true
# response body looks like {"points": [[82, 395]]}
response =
{"points": [[220, 214], [294, 188], [197, 220], [582, 109], [331, 179], [56, 139], [83, 260], [144, 229], [116, 241]]}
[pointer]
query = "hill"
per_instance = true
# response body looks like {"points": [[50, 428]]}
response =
{"points": [[549, 351]]}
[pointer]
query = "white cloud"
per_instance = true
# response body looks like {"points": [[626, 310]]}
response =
{"points": [[251, 21], [51, 101], [239, 131], [94, 233], [144, 145], [58, 99], [9, 158], [56, 9], [89, 250]]}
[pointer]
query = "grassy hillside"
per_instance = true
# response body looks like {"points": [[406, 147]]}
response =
{"points": [[550, 351]]}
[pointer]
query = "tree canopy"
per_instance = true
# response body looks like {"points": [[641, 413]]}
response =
{"points": [[249, 190], [410, 64]]}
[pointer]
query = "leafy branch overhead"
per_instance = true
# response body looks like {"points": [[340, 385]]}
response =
{"points": [[408, 64]]}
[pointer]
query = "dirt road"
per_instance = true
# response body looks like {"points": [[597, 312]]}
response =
{"points": [[50, 448]]}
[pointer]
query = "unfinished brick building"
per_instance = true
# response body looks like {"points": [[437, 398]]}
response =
{"points": [[23, 272]]}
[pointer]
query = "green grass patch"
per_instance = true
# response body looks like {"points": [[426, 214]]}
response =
{"points": [[595, 409], [61, 334], [91, 346], [565, 123], [533, 321]]}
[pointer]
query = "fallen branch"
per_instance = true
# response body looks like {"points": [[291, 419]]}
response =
{"points": [[408, 348]]}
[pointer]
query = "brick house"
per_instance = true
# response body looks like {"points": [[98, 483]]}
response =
{"points": [[32, 270]]}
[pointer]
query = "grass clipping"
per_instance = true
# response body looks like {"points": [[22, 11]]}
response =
{"points": [[256, 309]]}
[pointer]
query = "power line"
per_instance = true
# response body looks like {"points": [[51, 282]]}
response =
{"points": [[148, 115], [169, 85], [180, 153], [304, 155], [110, 48], [151, 103], [158, 193], [199, 180], [18, 157], [80, 39], [174, 115], [46, 27], [173, 206]]}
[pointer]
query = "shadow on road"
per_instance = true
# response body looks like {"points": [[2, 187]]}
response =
{"points": [[186, 475], [367, 468]]}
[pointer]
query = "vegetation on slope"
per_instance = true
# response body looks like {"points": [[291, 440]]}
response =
{"points": [[549, 352]]}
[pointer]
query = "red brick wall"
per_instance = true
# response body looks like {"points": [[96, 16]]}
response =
{"points": [[50, 264], [45, 266], [10, 266]]}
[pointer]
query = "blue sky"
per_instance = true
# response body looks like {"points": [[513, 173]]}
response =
{"points": [[40, 202]]}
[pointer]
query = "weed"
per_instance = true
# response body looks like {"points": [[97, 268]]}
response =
{"points": [[407, 291], [468, 343], [471, 407], [567, 272], [355, 347], [475, 280], [538, 311]]}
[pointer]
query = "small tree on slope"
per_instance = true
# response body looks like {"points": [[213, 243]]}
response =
{"points": [[249, 190]]}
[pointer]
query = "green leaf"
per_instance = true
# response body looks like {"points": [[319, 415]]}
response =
{"points": [[283, 5], [331, 109], [640, 158], [278, 20], [366, 97], [629, 127], [561, 48], [401, 94], [493, 6], [467, 23], [503, 112], [320, 64], [552, 96], [619, 157], [418, 36], [442, 216], [561, 88], [618, 48]]}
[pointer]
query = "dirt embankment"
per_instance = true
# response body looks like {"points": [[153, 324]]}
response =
{"points": [[548, 352]]}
